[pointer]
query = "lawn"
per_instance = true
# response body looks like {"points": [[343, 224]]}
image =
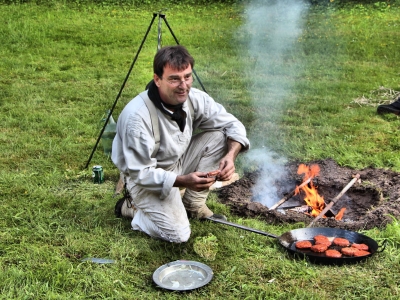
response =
{"points": [[304, 79]]}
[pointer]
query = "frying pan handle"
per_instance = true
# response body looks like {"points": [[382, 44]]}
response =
{"points": [[221, 221], [383, 246]]}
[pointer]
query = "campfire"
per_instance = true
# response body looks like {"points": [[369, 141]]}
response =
{"points": [[315, 204], [371, 202]]}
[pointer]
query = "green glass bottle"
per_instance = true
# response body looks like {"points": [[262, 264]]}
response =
{"points": [[108, 134]]}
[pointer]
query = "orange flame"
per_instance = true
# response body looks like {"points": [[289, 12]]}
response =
{"points": [[308, 172], [312, 198], [340, 214]]}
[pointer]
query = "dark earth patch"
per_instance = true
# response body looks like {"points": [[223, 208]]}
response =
{"points": [[370, 202]]}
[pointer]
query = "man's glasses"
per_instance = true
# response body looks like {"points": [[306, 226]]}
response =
{"points": [[177, 81]]}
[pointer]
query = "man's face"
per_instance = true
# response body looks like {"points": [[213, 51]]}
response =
{"points": [[174, 86]]}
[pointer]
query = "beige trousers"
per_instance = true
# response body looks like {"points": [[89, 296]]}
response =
{"points": [[167, 219]]}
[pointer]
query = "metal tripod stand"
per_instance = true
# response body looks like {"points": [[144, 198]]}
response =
{"points": [[161, 17]]}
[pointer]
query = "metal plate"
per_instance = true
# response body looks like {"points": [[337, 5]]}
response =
{"points": [[182, 275]]}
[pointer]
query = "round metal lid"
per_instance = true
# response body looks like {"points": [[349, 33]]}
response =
{"points": [[182, 275]]}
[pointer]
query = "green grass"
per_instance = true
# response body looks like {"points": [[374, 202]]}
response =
{"points": [[62, 67]]}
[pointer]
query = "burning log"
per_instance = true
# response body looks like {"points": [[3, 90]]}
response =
{"points": [[290, 195], [334, 200], [309, 173], [305, 209]]}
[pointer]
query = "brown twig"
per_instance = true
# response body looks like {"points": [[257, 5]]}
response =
{"points": [[334, 200], [290, 195]]}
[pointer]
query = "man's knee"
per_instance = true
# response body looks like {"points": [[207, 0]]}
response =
{"points": [[183, 236], [176, 235], [214, 136], [213, 142]]}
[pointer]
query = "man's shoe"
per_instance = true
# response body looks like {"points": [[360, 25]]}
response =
{"points": [[390, 108], [219, 217], [205, 213], [200, 213], [123, 210]]}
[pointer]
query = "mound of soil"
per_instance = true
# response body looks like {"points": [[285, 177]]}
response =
{"points": [[370, 202]]}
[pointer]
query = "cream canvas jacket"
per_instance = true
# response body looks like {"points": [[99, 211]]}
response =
{"points": [[134, 141]]}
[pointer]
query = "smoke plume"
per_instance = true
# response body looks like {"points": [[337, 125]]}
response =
{"points": [[271, 31]]}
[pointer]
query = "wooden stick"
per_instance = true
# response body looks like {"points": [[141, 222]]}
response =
{"points": [[334, 200], [290, 195]]}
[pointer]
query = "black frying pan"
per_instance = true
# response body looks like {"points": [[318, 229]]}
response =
{"points": [[288, 239]]}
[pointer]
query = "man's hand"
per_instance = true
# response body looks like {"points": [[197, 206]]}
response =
{"points": [[227, 163], [196, 181], [200, 181]]}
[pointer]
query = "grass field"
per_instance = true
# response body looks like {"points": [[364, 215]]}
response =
{"points": [[305, 80]]}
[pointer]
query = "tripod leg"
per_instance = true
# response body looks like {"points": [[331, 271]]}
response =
{"points": [[198, 79], [159, 37], [120, 91]]}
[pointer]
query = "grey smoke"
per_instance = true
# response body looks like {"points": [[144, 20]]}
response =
{"points": [[271, 30], [272, 169]]}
